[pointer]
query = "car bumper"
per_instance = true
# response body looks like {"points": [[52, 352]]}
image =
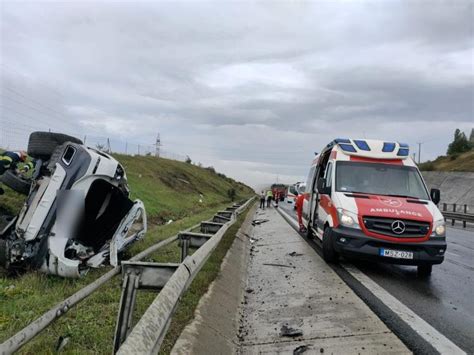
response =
{"points": [[354, 243]]}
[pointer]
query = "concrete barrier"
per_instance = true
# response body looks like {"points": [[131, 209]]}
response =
{"points": [[456, 187]]}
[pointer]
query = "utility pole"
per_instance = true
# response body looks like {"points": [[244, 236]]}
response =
{"points": [[419, 151], [157, 145], [109, 150]]}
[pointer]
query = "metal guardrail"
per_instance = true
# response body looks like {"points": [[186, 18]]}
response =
{"points": [[148, 334], [15, 342], [456, 215]]}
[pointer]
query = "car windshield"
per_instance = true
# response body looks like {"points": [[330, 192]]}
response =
{"points": [[293, 190], [380, 179]]}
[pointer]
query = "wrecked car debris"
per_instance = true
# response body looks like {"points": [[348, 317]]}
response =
{"points": [[259, 221], [280, 265], [294, 253], [77, 214], [300, 349], [287, 331]]}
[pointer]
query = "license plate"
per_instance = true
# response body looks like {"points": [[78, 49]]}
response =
{"points": [[398, 254]]}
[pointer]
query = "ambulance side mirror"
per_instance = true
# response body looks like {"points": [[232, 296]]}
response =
{"points": [[435, 195], [322, 188]]}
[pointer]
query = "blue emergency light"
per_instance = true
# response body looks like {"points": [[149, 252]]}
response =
{"points": [[362, 145], [388, 147]]}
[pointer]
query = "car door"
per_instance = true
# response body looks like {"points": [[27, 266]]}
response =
{"points": [[324, 200]]}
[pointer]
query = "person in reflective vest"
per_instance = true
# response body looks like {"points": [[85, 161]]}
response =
{"points": [[10, 161], [299, 211]]}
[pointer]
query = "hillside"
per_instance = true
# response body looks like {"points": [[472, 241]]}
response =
{"points": [[169, 189], [457, 162]]}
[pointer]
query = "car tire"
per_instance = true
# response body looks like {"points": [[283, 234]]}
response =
{"points": [[16, 183], [424, 270], [329, 254], [41, 145]]}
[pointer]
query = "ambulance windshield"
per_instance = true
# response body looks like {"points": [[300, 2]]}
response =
{"points": [[380, 179]]}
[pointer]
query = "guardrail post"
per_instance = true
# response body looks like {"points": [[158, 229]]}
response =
{"points": [[464, 222], [184, 246], [454, 210]]}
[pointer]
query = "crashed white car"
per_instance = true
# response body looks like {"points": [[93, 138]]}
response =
{"points": [[78, 213]]}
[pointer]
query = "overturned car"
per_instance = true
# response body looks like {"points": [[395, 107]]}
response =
{"points": [[78, 213]]}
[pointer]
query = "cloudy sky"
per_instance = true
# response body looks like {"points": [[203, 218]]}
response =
{"points": [[252, 88]]}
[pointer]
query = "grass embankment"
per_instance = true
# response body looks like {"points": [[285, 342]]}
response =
{"points": [[170, 190], [455, 162]]}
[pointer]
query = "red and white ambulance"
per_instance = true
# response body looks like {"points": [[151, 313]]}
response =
{"points": [[367, 199]]}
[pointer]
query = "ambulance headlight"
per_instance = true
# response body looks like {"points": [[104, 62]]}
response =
{"points": [[348, 219], [439, 228]]}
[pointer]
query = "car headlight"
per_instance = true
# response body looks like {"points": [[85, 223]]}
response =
{"points": [[348, 219], [439, 228]]}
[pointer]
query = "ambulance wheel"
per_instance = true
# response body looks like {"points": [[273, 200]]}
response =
{"points": [[329, 254], [16, 183], [41, 145], [424, 270]]}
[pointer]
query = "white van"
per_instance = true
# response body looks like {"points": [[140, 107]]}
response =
{"points": [[367, 199]]}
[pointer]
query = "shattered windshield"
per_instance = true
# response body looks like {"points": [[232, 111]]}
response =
{"points": [[380, 179]]}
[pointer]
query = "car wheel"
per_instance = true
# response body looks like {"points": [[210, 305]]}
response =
{"points": [[329, 254], [425, 270], [41, 145], [16, 183]]}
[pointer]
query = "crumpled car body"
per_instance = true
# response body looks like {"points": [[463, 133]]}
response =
{"points": [[78, 215]]}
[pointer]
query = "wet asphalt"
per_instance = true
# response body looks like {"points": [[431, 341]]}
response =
{"points": [[445, 300]]}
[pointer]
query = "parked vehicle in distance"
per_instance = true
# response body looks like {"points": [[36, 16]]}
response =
{"points": [[292, 193], [279, 190], [77, 214], [367, 199]]}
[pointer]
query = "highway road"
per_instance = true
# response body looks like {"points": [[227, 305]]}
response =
{"points": [[445, 301]]}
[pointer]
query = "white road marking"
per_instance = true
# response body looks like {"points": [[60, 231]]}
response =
{"points": [[418, 325], [448, 252]]}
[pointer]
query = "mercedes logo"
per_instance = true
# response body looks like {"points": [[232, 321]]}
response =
{"points": [[398, 227]]}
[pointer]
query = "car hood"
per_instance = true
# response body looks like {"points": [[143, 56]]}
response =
{"points": [[389, 207]]}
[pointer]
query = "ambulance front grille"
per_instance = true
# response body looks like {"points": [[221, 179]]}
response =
{"points": [[413, 229]]}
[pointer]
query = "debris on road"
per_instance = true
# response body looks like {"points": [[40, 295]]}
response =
{"points": [[280, 265], [259, 221], [249, 290], [300, 349], [287, 331], [294, 253]]}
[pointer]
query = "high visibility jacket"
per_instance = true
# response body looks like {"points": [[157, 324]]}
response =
{"points": [[9, 160], [269, 193]]}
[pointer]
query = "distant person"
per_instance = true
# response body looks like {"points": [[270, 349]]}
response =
{"points": [[262, 199], [299, 211], [277, 198], [269, 197]]}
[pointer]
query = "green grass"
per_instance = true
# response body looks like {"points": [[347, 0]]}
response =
{"points": [[170, 190], [456, 162]]}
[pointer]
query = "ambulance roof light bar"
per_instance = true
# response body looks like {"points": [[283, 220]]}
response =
{"points": [[372, 148]]}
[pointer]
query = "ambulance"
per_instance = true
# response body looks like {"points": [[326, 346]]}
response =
{"points": [[367, 199]]}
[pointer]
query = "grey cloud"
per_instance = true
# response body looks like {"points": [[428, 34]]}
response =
{"points": [[351, 69]]}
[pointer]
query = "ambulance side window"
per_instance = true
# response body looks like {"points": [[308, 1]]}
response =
{"points": [[329, 175]]}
